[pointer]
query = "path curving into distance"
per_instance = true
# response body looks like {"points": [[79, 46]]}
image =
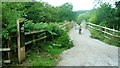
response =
{"points": [[88, 51]]}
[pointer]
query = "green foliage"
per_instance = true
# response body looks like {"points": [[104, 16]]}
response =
{"points": [[103, 15], [84, 16], [52, 28], [65, 12], [40, 60], [48, 53], [43, 12], [38, 16], [35, 11], [8, 20], [63, 41], [107, 16], [99, 35]]}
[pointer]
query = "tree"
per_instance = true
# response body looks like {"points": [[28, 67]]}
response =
{"points": [[65, 12]]}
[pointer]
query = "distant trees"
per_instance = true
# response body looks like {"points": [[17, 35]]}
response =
{"points": [[41, 11], [104, 15], [37, 11], [117, 12], [65, 12]]}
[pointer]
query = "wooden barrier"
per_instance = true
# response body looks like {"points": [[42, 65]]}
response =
{"points": [[105, 30], [35, 40], [8, 50], [21, 39], [21, 34], [67, 25], [63, 26]]}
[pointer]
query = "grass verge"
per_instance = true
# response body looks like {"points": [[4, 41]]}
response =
{"points": [[105, 38], [47, 53]]}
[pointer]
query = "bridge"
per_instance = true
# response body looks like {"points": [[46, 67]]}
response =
{"points": [[85, 52], [88, 51]]}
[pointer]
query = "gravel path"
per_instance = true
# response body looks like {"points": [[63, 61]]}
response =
{"points": [[88, 51]]}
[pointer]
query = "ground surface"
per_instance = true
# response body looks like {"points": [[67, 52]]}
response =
{"points": [[88, 51]]}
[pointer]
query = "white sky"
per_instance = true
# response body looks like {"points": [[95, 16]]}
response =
{"points": [[77, 4]]}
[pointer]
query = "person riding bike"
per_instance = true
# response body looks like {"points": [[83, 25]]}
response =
{"points": [[80, 29]]}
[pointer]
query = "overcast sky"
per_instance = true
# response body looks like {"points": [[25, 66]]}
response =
{"points": [[77, 4]]}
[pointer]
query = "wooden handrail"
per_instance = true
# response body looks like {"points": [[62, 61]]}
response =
{"points": [[104, 27], [29, 42], [5, 49], [33, 32], [105, 31], [64, 25], [7, 61]]}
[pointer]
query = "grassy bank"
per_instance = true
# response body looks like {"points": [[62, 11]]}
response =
{"points": [[47, 54], [105, 38]]}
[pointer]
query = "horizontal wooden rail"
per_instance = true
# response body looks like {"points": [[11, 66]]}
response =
{"points": [[35, 40], [105, 31], [33, 32], [7, 61], [4, 49], [110, 34], [104, 27], [62, 26]]}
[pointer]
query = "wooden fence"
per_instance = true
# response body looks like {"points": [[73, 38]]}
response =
{"points": [[7, 51], [105, 30], [21, 43]]}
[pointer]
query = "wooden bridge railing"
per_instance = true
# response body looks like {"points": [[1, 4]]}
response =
{"points": [[105, 30], [67, 26], [64, 25], [33, 36], [21, 42], [21, 39]]}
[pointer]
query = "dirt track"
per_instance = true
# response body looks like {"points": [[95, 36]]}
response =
{"points": [[88, 51]]}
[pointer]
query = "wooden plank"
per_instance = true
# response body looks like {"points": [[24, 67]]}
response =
{"points": [[111, 34], [35, 40], [21, 40], [93, 24], [104, 32], [64, 28], [22, 54], [40, 38], [5, 49], [111, 29], [18, 39], [7, 61], [9, 46], [104, 27], [33, 32], [90, 26], [28, 42], [106, 37], [64, 24]]}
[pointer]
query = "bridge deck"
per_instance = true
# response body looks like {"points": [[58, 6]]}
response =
{"points": [[88, 51]]}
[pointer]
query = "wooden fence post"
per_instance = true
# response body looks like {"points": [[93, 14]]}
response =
{"points": [[105, 31], [9, 46], [20, 40]]}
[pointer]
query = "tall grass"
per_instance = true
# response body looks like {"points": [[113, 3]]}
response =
{"points": [[47, 53], [105, 38]]}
